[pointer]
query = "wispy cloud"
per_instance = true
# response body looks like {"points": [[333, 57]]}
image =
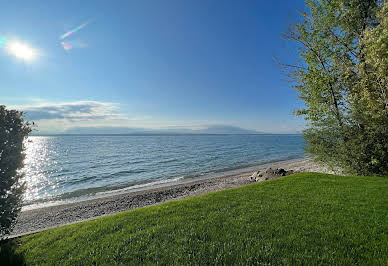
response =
{"points": [[76, 111], [59, 117]]}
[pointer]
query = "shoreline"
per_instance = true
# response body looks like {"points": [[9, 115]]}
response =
{"points": [[39, 219], [159, 184]]}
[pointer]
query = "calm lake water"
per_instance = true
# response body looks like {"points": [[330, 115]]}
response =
{"points": [[70, 168]]}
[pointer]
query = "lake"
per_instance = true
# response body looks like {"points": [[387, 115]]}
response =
{"points": [[76, 167]]}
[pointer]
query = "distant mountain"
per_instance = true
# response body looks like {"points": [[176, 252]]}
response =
{"points": [[221, 129], [212, 129], [106, 130]]}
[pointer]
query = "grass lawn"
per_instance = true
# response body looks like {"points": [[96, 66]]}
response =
{"points": [[302, 219]]}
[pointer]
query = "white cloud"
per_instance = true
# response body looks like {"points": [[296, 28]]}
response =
{"points": [[59, 117], [71, 110]]}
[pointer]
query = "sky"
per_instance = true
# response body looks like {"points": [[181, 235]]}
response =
{"points": [[148, 64]]}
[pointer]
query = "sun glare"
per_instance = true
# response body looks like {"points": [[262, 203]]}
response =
{"points": [[21, 51]]}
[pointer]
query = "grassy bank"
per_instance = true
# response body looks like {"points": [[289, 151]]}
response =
{"points": [[314, 218]]}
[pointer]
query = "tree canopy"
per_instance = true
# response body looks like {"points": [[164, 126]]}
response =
{"points": [[13, 132], [343, 81]]}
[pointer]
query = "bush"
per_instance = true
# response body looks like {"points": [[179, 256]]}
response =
{"points": [[361, 151], [13, 132]]}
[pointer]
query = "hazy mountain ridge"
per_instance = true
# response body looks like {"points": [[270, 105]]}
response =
{"points": [[214, 129]]}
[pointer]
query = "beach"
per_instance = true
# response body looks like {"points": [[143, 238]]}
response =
{"points": [[49, 217]]}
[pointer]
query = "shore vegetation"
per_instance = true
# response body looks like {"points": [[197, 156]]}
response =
{"points": [[13, 132], [341, 76]]}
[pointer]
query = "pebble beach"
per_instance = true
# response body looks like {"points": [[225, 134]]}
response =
{"points": [[39, 219]]}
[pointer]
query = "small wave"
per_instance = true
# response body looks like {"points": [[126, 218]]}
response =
{"points": [[194, 175], [137, 161], [167, 161], [92, 193], [126, 172], [102, 176], [81, 180], [291, 157], [143, 185], [77, 194]]}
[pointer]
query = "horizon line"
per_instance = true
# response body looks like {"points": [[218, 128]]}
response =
{"points": [[158, 134]]}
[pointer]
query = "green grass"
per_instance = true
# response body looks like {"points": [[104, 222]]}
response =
{"points": [[302, 219]]}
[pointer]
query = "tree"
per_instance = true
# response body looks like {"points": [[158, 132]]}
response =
{"points": [[343, 46], [373, 85], [13, 132]]}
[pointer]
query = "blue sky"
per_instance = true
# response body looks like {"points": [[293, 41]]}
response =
{"points": [[150, 64]]}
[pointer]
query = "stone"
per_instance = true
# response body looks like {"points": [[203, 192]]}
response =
{"points": [[270, 173], [255, 175]]}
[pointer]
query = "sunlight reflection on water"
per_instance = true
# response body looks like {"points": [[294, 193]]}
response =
{"points": [[39, 166]]}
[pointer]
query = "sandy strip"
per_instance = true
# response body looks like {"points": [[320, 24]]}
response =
{"points": [[48, 217]]}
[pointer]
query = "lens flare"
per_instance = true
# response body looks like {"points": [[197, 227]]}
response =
{"points": [[81, 44], [67, 34], [21, 51], [2, 41], [67, 46]]}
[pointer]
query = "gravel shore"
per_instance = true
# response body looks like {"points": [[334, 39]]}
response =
{"points": [[48, 217]]}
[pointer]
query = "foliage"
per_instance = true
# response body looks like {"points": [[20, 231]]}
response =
{"points": [[13, 132], [302, 219], [342, 79], [373, 83]]}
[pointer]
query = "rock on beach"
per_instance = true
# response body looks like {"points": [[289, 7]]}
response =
{"points": [[270, 173]]}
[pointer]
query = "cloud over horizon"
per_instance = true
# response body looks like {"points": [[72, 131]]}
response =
{"points": [[59, 117], [108, 117], [79, 110]]}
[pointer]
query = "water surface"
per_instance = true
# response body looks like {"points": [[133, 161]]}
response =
{"points": [[77, 167]]}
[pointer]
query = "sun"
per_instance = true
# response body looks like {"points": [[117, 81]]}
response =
{"points": [[21, 51]]}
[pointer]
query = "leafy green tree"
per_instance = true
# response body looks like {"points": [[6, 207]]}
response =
{"points": [[342, 80], [13, 132], [373, 85]]}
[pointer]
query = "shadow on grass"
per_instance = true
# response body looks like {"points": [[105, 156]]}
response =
{"points": [[8, 254]]}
